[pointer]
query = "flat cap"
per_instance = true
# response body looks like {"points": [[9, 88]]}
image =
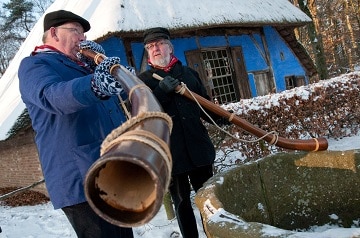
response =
{"points": [[57, 18], [155, 34]]}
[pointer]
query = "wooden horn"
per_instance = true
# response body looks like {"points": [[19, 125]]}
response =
{"points": [[314, 144], [126, 185]]}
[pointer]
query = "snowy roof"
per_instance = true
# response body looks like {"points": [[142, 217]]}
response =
{"points": [[137, 15]]}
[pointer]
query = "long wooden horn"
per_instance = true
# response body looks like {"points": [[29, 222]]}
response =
{"points": [[314, 144], [126, 185]]}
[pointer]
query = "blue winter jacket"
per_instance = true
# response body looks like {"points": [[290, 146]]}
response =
{"points": [[70, 122]]}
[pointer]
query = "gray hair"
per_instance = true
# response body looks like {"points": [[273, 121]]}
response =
{"points": [[46, 33]]}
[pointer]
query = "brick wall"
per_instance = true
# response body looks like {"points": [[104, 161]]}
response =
{"points": [[19, 160]]}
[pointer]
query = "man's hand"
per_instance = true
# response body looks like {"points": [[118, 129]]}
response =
{"points": [[168, 84], [103, 83], [89, 45]]}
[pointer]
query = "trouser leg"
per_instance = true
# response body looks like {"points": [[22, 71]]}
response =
{"points": [[87, 224], [180, 193], [199, 176]]}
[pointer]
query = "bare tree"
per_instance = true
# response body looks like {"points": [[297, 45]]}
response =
{"points": [[41, 5], [17, 19], [333, 37], [352, 14]]}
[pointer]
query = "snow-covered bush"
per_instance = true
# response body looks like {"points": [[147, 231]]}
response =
{"points": [[329, 108]]}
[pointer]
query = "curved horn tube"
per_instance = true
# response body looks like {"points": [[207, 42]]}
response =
{"points": [[126, 185], [314, 144]]}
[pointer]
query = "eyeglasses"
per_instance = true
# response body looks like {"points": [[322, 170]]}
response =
{"points": [[72, 29], [158, 44]]}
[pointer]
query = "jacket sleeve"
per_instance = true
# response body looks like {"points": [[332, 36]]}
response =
{"points": [[58, 90]]}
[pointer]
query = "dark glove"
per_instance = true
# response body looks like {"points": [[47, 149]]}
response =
{"points": [[89, 45], [103, 83], [223, 121], [168, 84]]}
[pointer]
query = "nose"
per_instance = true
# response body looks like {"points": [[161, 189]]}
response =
{"points": [[156, 46]]}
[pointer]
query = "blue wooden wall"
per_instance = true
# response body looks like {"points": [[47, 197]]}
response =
{"points": [[282, 60]]}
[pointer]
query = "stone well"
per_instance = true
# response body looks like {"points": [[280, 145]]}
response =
{"points": [[286, 194]]}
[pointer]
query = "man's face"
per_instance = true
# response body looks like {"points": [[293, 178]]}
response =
{"points": [[159, 52], [69, 35]]}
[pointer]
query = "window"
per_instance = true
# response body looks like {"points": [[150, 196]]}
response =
{"points": [[222, 71], [294, 81], [263, 83]]}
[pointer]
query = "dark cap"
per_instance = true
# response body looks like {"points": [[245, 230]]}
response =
{"points": [[57, 18], [155, 34]]}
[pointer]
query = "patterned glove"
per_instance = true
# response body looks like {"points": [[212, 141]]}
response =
{"points": [[103, 83], [168, 84], [90, 45]]}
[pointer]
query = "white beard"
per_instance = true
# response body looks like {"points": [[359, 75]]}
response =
{"points": [[162, 62]]}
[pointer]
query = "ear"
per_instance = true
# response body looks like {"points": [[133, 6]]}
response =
{"points": [[53, 33], [171, 49]]}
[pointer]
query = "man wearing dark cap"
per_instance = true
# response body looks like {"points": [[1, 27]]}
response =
{"points": [[73, 105], [192, 151]]}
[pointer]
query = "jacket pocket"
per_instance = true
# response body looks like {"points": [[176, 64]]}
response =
{"points": [[85, 156]]}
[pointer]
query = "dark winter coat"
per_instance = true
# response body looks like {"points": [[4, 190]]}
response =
{"points": [[69, 120], [190, 143]]}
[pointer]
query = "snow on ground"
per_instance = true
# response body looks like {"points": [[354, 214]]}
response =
{"points": [[42, 221]]}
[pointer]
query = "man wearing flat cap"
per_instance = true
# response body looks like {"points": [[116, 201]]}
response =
{"points": [[73, 105], [192, 151]]}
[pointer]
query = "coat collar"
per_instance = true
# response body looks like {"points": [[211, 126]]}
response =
{"points": [[49, 50]]}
